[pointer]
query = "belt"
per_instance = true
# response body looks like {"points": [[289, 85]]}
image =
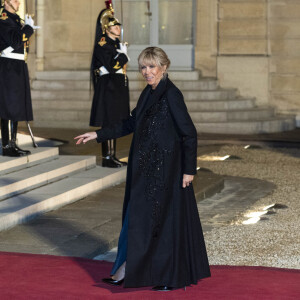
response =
{"points": [[18, 56], [103, 71]]}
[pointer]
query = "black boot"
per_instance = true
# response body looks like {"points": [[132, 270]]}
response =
{"points": [[14, 131], [114, 151], [7, 149], [107, 160]]}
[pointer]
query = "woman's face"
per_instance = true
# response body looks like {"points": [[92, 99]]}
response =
{"points": [[152, 74]]}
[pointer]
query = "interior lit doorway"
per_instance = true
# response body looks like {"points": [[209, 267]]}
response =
{"points": [[168, 24]]}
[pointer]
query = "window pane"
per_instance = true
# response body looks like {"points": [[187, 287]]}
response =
{"points": [[176, 22], [136, 21]]}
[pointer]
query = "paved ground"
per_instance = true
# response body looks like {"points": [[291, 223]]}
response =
{"points": [[224, 208], [90, 226], [260, 177], [261, 235]]}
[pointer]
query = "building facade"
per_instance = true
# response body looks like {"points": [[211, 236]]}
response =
{"points": [[252, 45]]}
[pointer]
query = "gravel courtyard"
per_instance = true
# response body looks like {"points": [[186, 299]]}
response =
{"points": [[274, 240]]}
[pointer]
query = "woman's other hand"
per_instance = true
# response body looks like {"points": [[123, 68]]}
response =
{"points": [[85, 137], [187, 180]]}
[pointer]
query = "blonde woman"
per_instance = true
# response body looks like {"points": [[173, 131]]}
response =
{"points": [[161, 242]]}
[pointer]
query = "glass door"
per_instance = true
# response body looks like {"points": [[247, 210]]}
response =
{"points": [[164, 23]]}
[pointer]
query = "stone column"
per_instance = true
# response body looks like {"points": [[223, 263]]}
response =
{"points": [[206, 37], [243, 49], [40, 35]]}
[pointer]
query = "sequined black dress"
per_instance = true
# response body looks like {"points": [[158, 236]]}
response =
{"points": [[165, 239]]}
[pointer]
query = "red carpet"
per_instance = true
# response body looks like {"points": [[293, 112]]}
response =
{"points": [[26, 276]]}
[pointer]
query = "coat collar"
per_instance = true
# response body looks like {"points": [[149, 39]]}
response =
{"points": [[12, 16], [143, 100], [149, 97], [157, 93], [111, 41]]}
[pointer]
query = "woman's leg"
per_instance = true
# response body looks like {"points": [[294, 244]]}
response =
{"points": [[120, 274], [120, 262]]}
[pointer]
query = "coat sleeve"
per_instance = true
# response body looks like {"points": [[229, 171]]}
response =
{"points": [[16, 37], [118, 130], [112, 60], [186, 130]]}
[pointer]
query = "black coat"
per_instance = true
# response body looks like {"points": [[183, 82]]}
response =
{"points": [[111, 97], [15, 98], [165, 239]]}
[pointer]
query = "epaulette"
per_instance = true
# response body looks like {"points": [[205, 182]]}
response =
{"points": [[102, 41], [3, 16]]}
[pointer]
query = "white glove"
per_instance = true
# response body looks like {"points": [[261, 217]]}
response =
{"points": [[29, 21], [123, 49]]}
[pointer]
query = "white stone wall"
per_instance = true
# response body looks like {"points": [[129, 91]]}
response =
{"points": [[69, 33], [284, 22], [252, 45], [258, 49]]}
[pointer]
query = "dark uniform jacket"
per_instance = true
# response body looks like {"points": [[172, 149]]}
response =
{"points": [[111, 97], [15, 98], [165, 240]]}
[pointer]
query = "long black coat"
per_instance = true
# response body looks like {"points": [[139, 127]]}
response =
{"points": [[165, 239], [111, 97], [15, 97]]}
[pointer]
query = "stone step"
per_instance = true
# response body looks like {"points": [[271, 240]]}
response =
{"points": [[22, 208], [38, 155], [30, 178], [213, 105], [197, 116], [275, 124], [204, 83], [278, 123], [82, 95], [137, 85], [62, 115], [190, 95], [40, 105], [60, 85], [258, 113], [80, 124], [132, 75]]}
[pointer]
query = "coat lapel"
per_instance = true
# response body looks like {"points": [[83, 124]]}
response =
{"points": [[157, 94], [142, 100]]}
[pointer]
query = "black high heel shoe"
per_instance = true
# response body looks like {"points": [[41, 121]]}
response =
{"points": [[112, 281], [161, 288]]}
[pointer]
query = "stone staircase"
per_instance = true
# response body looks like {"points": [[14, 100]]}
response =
{"points": [[43, 181], [63, 99]]}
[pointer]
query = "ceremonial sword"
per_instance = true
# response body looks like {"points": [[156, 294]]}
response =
{"points": [[27, 122]]}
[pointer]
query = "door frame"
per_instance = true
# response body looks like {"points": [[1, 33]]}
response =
{"points": [[182, 57]]}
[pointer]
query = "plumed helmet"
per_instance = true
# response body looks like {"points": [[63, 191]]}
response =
{"points": [[107, 18], [1, 6]]}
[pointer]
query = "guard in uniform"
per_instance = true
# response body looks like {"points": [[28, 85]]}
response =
{"points": [[15, 98], [111, 94]]}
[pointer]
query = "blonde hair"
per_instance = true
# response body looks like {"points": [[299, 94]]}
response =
{"points": [[154, 56]]}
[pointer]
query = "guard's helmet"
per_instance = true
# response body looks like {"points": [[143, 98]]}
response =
{"points": [[107, 19]]}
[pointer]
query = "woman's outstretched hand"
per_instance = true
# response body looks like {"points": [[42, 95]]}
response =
{"points": [[85, 137], [187, 180]]}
